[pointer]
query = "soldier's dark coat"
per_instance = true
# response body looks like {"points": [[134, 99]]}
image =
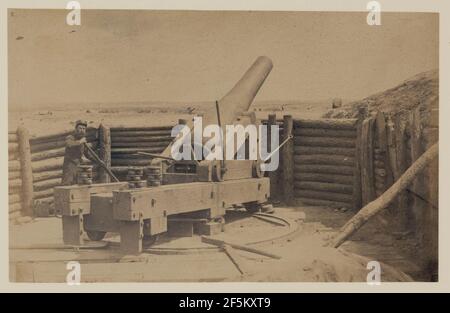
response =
{"points": [[72, 158]]}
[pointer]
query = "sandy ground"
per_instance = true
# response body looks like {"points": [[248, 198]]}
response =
{"points": [[303, 255], [53, 120]]}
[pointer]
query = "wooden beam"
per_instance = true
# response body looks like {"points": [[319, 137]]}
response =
{"points": [[104, 143], [287, 155], [26, 171], [374, 207]]}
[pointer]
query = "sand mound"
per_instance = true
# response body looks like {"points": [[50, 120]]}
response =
{"points": [[421, 90]]}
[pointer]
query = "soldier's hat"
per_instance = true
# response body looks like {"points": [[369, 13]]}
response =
{"points": [[81, 122]]}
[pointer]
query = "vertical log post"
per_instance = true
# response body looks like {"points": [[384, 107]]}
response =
{"points": [[366, 161], [25, 170], [273, 175], [288, 160], [418, 183], [357, 197], [104, 138], [402, 200]]}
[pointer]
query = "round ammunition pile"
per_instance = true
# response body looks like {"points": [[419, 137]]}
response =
{"points": [[134, 178], [84, 174], [154, 176]]}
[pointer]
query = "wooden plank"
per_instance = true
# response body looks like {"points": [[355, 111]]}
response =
{"points": [[221, 243], [348, 124], [325, 142], [305, 150], [324, 159], [324, 169], [287, 155], [318, 186], [323, 195], [321, 202], [325, 178], [324, 132]]}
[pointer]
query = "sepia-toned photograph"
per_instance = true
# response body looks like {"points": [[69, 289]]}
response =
{"points": [[222, 146]]}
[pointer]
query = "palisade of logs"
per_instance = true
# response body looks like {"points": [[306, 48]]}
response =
{"points": [[127, 141], [35, 162], [324, 162]]}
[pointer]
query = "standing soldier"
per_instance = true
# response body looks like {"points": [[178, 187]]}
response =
{"points": [[75, 153]]}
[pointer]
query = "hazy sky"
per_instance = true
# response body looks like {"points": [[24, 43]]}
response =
{"points": [[195, 56]]}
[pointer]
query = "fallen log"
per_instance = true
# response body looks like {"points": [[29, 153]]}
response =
{"points": [[221, 243], [324, 169], [324, 178], [374, 207], [305, 150]]}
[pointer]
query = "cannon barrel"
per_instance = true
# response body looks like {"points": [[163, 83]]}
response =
{"points": [[238, 99]]}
